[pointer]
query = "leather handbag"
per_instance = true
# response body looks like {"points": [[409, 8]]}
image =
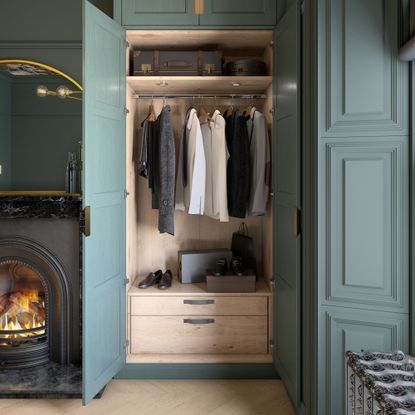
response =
{"points": [[243, 246]]}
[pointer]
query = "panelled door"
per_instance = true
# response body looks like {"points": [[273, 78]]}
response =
{"points": [[238, 13], [363, 188], [103, 316], [287, 200], [159, 13]]}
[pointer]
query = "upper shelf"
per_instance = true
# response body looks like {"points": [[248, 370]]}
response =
{"points": [[200, 39], [153, 85]]}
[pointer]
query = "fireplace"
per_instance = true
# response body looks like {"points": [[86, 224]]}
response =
{"points": [[39, 282], [23, 315]]}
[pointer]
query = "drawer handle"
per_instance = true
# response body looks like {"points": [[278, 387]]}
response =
{"points": [[198, 320], [198, 302]]}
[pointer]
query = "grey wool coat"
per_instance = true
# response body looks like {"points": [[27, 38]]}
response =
{"points": [[167, 171]]}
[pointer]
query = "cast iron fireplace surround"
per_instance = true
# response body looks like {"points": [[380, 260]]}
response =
{"points": [[39, 282]]}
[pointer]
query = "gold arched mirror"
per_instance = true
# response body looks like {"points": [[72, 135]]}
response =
{"points": [[40, 129]]}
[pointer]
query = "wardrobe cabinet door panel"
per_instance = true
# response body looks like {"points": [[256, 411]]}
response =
{"points": [[103, 299], [346, 329], [366, 222], [287, 202], [239, 13], [158, 13], [362, 82]]}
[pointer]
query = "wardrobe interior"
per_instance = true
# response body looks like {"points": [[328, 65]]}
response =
{"points": [[147, 249]]}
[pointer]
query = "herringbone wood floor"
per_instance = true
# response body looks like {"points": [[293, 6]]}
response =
{"points": [[168, 397]]}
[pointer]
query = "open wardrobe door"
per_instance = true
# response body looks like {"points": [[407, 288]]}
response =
{"points": [[103, 302], [287, 201]]}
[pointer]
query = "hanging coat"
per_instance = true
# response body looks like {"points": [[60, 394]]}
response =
{"points": [[260, 161], [238, 164], [166, 171], [216, 153], [191, 172]]}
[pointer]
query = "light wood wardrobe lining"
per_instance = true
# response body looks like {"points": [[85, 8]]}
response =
{"points": [[148, 249]]}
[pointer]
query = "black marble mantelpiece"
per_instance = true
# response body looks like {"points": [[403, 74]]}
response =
{"points": [[23, 207]]}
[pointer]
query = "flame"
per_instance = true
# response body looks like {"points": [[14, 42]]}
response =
{"points": [[24, 310]]}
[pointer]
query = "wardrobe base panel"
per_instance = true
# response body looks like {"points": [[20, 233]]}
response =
{"points": [[199, 358], [198, 371]]}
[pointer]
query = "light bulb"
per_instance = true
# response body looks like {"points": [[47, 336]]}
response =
{"points": [[42, 91], [62, 91]]}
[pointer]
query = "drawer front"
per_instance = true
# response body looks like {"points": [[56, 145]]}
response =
{"points": [[199, 334], [197, 306]]}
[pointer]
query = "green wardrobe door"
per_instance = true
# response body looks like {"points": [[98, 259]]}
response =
{"points": [[287, 201], [103, 302], [158, 13], [239, 13], [363, 217]]}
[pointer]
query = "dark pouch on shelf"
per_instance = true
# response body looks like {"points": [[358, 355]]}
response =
{"points": [[243, 246]]}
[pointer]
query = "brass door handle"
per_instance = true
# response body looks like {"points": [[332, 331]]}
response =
{"points": [[297, 222], [199, 6], [87, 219]]}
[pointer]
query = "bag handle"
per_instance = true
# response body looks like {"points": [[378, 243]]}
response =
{"points": [[243, 229]]}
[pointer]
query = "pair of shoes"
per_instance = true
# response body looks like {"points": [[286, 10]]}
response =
{"points": [[154, 278], [222, 266]]}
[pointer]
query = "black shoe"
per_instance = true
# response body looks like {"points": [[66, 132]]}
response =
{"points": [[237, 266], [166, 280], [221, 266], [152, 279]]}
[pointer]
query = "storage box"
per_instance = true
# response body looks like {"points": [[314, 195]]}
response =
{"points": [[193, 264], [176, 63], [231, 283]]}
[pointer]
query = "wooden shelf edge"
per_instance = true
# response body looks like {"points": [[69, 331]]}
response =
{"points": [[194, 290], [148, 85], [198, 358]]}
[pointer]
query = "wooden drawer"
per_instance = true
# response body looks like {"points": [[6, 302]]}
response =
{"points": [[199, 334], [198, 306]]}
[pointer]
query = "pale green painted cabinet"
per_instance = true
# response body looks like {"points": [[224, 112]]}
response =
{"points": [[239, 13], [363, 217], [217, 13], [158, 13]]}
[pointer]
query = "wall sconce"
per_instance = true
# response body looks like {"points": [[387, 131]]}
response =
{"points": [[61, 92]]}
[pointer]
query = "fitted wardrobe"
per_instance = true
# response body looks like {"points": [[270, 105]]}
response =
{"points": [[337, 117]]}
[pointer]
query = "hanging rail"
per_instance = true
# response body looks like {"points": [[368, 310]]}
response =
{"points": [[172, 96]]}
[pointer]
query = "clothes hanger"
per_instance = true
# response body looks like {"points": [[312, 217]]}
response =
{"points": [[229, 109], [203, 113], [151, 115]]}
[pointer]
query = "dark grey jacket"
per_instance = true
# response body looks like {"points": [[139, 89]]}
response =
{"points": [[167, 171]]}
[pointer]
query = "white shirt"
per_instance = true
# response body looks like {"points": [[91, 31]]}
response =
{"points": [[191, 198], [216, 152]]}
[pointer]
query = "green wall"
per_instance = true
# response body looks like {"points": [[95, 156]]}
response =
{"points": [[43, 131], [5, 132], [47, 31]]}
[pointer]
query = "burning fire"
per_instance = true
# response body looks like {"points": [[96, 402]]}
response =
{"points": [[22, 310]]}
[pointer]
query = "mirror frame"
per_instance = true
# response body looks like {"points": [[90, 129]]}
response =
{"points": [[44, 66]]}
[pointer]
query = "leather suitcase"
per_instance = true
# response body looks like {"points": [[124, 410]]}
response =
{"points": [[246, 67], [176, 63]]}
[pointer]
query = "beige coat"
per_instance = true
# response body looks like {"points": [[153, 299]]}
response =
{"points": [[216, 153], [191, 198]]}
